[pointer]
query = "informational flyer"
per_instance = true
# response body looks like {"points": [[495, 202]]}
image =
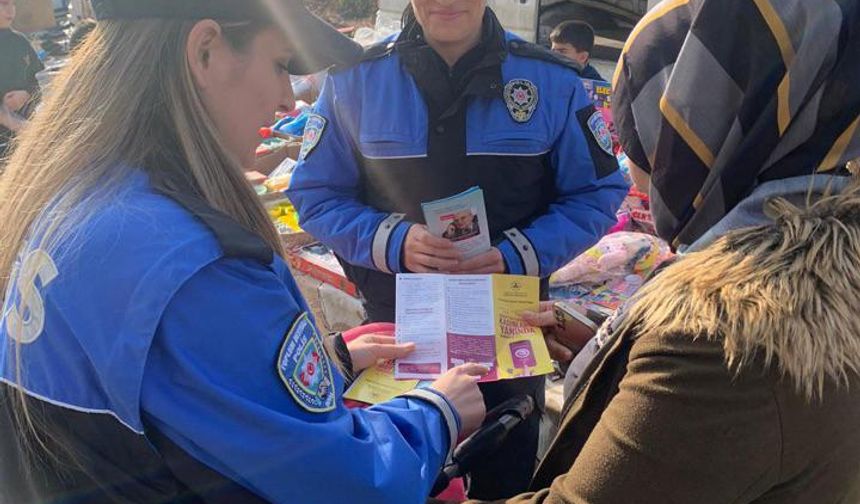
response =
{"points": [[454, 319], [461, 218], [377, 385]]}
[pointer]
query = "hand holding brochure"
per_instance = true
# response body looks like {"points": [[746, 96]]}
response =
{"points": [[462, 218], [454, 319]]}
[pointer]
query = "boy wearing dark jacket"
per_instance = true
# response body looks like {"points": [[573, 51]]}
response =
{"points": [[19, 88]]}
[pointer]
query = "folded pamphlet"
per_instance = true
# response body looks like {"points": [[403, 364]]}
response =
{"points": [[461, 218], [454, 319]]}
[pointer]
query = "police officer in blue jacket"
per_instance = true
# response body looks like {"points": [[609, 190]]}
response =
{"points": [[153, 344], [452, 102]]}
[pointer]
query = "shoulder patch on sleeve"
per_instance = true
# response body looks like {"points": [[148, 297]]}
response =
{"points": [[314, 129], [305, 368], [534, 51], [598, 128], [599, 140]]}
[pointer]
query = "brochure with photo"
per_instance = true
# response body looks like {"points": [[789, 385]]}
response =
{"points": [[454, 319], [461, 218]]}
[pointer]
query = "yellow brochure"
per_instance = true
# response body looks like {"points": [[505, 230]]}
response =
{"points": [[377, 384], [520, 348], [454, 319]]}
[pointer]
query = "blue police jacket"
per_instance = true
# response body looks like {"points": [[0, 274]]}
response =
{"points": [[529, 136], [175, 355]]}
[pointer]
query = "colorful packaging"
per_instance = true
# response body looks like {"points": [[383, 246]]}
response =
{"points": [[285, 217], [615, 256], [638, 206]]}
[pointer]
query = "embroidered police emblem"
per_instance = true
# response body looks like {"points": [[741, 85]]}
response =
{"points": [[314, 129], [521, 97], [305, 368], [600, 131]]}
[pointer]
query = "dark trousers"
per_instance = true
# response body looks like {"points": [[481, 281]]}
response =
{"points": [[508, 471]]}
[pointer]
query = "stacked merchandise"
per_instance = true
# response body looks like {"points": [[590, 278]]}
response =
{"points": [[635, 211], [276, 159], [270, 190], [50, 27], [606, 275], [277, 156]]}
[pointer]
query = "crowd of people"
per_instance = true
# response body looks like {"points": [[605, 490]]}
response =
{"points": [[156, 348]]}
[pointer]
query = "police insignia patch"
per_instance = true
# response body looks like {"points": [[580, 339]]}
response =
{"points": [[521, 97], [601, 133], [305, 368], [314, 129]]}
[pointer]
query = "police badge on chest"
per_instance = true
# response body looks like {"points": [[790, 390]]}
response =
{"points": [[521, 97]]}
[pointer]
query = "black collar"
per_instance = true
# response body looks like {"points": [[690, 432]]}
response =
{"points": [[170, 178], [477, 73]]}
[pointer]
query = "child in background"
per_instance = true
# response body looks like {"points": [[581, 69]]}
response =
{"points": [[575, 40], [19, 88]]}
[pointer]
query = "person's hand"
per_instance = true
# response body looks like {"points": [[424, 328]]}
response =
{"points": [[365, 351], [425, 253], [10, 120], [487, 263], [563, 342], [460, 386], [15, 100]]}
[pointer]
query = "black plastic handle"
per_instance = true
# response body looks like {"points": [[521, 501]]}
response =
{"points": [[499, 422]]}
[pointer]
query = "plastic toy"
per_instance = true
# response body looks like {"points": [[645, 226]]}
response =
{"points": [[615, 256]]}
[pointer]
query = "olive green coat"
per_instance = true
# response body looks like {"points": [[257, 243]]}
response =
{"points": [[733, 378]]}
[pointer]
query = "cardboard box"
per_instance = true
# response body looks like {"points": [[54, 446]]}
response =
{"points": [[255, 177], [317, 261], [34, 15], [267, 163], [272, 152]]}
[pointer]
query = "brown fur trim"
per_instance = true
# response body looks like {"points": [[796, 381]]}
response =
{"points": [[788, 291]]}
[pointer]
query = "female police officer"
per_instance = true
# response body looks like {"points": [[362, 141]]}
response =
{"points": [[453, 102], [154, 345]]}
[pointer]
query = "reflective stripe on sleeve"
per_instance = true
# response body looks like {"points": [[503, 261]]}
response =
{"points": [[447, 413], [380, 241], [526, 251]]}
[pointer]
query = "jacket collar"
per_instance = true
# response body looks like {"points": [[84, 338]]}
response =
{"points": [[480, 68], [784, 290], [750, 211]]}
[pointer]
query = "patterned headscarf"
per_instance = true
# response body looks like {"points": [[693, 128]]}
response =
{"points": [[714, 97]]}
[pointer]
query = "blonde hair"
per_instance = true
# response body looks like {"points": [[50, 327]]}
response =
{"points": [[126, 101]]}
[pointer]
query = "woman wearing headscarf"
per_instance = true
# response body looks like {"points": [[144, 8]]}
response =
{"points": [[732, 376]]}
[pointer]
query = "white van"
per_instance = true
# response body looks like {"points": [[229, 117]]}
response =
{"points": [[533, 20]]}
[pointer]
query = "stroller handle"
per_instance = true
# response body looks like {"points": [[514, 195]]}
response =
{"points": [[500, 421]]}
